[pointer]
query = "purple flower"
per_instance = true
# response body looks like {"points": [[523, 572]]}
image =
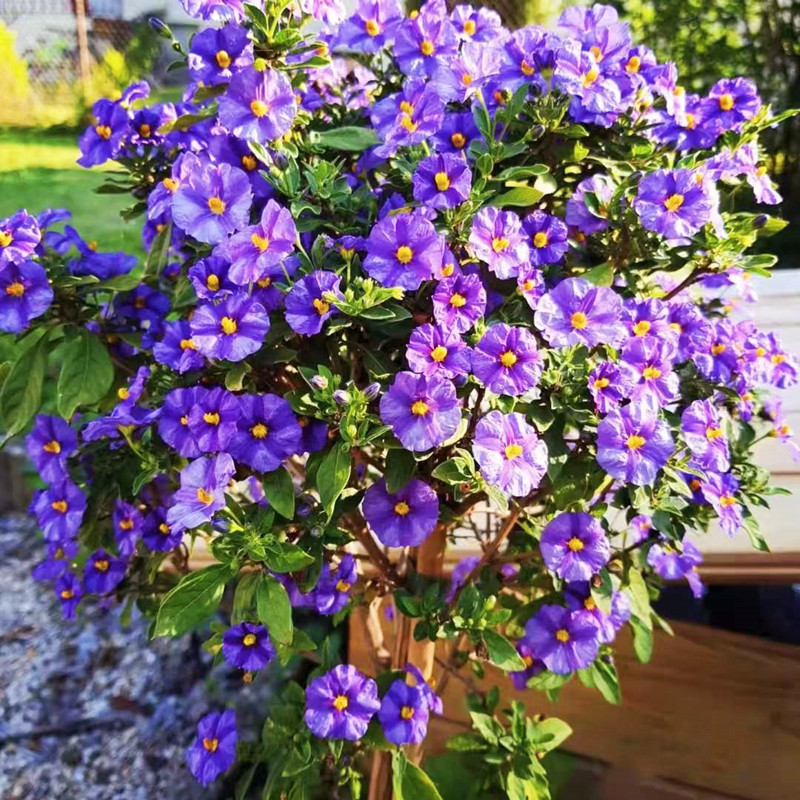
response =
{"points": [[458, 302], [641, 527], [202, 492], [371, 26], [530, 284], [214, 749], [633, 444], [574, 546], [578, 213], [403, 250], [599, 31], [506, 360], [257, 250], [103, 139], [59, 510], [404, 714], [404, 518], [564, 640], [19, 236], [267, 432], [50, 443], [306, 309], [730, 103], [213, 418], [332, 592], [126, 520], [674, 564], [25, 294], [580, 601], [340, 704], [442, 181], [409, 117], [457, 132], [173, 423], [435, 350], [217, 54], [103, 573], [213, 201], [720, 491], [609, 386], [477, 24], [209, 277], [157, 535], [177, 349], [578, 312], [533, 666], [673, 203], [510, 454], [692, 328], [425, 42], [498, 239], [69, 592], [647, 367], [258, 105], [548, 238], [59, 556], [422, 410], [214, 10], [719, 361], [702, 432], [232, 330], [247, 646]]}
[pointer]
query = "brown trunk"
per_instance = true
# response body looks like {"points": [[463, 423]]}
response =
{"points": [[430, 563]]}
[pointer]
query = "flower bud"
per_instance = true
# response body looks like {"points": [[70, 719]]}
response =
{"points": [[160, 27], [319, 382], [341, 397], [760, 221], [372, 391]]}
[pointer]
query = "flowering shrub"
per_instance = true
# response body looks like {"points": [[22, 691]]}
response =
{"points": [[397, 272]]}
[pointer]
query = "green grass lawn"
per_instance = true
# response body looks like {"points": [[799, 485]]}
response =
{"points": [[38, 171]]}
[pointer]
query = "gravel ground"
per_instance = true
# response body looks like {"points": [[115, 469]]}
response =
{"points": [[90, 710]]}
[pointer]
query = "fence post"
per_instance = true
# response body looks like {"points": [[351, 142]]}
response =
{"points": [[84, 63]]}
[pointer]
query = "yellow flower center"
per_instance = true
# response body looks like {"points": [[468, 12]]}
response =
{"points": [[601, 383], [633, 65], [407, 713], [458, 140], [211, 745], [67, 594], [718, 349], [340, 702], [500, 243], [508, 359], [578, 320], [469, 27], [249, 162], [635, 441], [591, 76], [404, 254], [540, 239], [264, 283], [52, 447], [589, 604], [206, 498], [402, 508], [188, 344], [691, 121], [526, 68], [778, 358], [439, 354], [163, 528], [60, 506], [170, 184], [727, 500], [216, 205], [223, 59], [211, 417], [406, 107], [726, 101], [642, 327], [320, 306], [103, 131], [372, 27], [5, 238], [259, 108], [458, 300], [212, 282], [528, 285], [596, 52], [442, 181], [427, 48], [126, 524], [185, 419], [673, 202], [249, 639], [408, 123], [259, 430], [261, 243], [342, 586], [419, 408], [651, 373], [527, 661], [513, 451], [15, 289], [562, 634], [101, 565], [145, 131], [713, 433], [575, 544], [448, 270], [228, 325], [123, 393], [466, 79]]}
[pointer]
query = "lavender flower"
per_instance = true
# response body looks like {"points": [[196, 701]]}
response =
{"points": [[404, 518], [574, 546], [340, 704]]}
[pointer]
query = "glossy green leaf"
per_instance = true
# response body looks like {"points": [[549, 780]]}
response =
{"points": [[87, 373], [274, 609], [279, 491]]}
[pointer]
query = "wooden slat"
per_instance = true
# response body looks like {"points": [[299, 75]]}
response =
{"points": [[714, 710]]}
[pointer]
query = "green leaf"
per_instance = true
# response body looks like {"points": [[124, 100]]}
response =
{"points": [[518, 173], [640, 597], [243, 597], [158, 255], [21, 395], [289, 558], [519, 196], [454, 471], [604, 676], [410, 781], [751, 527], [351, 138], [407, 604], [86, 373], [642, 640], [466, 743], [235, 376], [601, 275], [333, 475], [550, 733], [502, 653], [274, 609], [192, 601], [279, 491], [399, 469]]}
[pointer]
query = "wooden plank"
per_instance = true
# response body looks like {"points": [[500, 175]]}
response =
{"points": [[713, 710]]}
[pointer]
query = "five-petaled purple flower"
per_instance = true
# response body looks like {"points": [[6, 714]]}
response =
{"points": [[564, 640], [307, 310], [214, 749], [340, 704], [232, 330], [247, 646], [574, 546], [258, 105], [404, 518], [498, 239], [404, 714], [442, 181], [506, 360]]}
